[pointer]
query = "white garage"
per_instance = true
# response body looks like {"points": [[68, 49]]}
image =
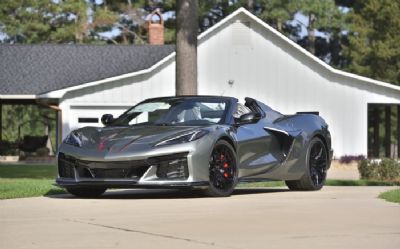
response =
{"points": [[240, 56]]}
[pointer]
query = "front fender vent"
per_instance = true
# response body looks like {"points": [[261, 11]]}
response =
{"points": [[171, 167]]}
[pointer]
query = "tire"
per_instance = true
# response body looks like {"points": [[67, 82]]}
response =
{"points": [[222, 170], [86, 192], [316, 165]]}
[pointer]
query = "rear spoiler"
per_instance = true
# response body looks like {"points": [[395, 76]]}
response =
{"points": [[314, 113]]}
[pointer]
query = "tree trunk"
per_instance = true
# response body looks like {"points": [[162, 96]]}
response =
{"points": [[186, 47], [250, 5], [311, 33], [279, 24]]}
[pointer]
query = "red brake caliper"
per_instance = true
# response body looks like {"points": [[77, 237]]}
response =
{"points": [[225, 165]]}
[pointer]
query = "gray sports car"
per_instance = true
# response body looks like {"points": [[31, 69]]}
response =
{"points": [[206, 142]]}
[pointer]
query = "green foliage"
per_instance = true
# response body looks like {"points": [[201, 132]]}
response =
{"points": [[374, 48], [48, 21], [391, 195], [20, 120], [327, 14], [277, 12], [386, 169], [26, 20]]}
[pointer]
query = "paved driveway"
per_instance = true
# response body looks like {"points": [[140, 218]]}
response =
{"points": [[336, 217]]}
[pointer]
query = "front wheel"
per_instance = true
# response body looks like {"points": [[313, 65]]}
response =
{"points": [[316, 168], [222, 170], [86, 192]]}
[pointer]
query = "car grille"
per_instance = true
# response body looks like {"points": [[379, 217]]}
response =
{"points": [[65, 167], [68, 166]]}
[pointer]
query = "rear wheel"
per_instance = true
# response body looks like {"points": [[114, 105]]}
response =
{"points": [[86, 192], [222, 170], [317, 165]]}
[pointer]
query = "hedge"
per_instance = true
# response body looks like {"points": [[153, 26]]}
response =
{"points": [[379, 169]]}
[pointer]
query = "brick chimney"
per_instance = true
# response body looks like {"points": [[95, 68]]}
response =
{"points": [[155, 29]]}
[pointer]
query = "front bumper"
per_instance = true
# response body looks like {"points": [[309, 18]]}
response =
{"points": [[123, 183], [158, 168]]}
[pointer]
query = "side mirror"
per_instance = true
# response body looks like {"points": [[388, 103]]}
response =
{"points": [[249, 118], [106, 119]]}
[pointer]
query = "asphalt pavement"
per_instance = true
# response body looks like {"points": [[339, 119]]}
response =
{"points": [[336, 217]]}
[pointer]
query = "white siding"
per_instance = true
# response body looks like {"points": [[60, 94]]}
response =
{"points": [[115, 97], [267, 68]]}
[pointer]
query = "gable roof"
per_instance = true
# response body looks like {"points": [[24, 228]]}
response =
{"points": [[127, 67], [36, 69], [215, 29], [283, 38]]}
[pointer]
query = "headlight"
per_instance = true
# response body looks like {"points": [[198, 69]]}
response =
{"points": [[73, 139], [184, 138]]}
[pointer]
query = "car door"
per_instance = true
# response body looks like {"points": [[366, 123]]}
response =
{"points": [[258, 150]]}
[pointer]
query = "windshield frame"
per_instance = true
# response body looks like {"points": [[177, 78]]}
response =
{"points": [[224, 118]]}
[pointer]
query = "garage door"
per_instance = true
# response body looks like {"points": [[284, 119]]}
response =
{"points": [[81, 116]]}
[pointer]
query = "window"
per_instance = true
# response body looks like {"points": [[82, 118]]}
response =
{"points": [[88, 120], [175, 111]]}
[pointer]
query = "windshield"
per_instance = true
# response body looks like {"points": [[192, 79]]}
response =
{"points": [[174, 111]]}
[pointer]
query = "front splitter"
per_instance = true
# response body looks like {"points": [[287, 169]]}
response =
{"points": [[123, 183]]}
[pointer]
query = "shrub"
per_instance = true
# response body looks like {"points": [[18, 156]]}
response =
{"points": [[346, 159], [385, 169], [43, 151], [8, 148], [4, 147]]}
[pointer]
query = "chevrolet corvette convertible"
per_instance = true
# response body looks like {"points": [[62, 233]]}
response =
{"points": [[206, 142]]}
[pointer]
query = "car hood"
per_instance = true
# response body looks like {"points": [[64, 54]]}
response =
{"points": [[122, 139]]}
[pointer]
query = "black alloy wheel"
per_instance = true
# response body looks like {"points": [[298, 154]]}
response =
{"points": [[222, 170], [317, 163]]}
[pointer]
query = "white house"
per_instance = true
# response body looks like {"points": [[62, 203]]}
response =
{"points": [[240, 56]]}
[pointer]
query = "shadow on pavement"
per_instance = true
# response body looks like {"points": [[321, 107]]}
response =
{"points": [[167, 194]]}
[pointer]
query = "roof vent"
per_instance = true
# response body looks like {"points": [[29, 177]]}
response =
{"points": [[155, 27]]}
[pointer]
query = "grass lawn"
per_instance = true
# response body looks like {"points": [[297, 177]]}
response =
{"points": [[391, 195], [28, 171], [17, 181], [329, 182]]}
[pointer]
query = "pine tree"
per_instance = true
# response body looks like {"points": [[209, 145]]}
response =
{"points": [[374, 48], [322, 15], [26, 21], [277, 12], [48, 21]]}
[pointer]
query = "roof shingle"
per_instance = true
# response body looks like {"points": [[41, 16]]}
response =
{"points": [[36, 69]]}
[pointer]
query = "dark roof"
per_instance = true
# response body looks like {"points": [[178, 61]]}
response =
{"points": [[205, 97], [36, 69]]}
